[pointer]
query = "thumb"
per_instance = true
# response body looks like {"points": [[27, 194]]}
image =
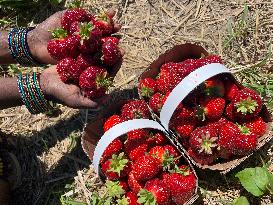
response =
{"points": [[85, 102]]}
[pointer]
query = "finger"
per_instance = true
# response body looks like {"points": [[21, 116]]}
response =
{"points": [[122, 51], [116, 68], [117, 27], [103, 100], [111, 12], [85, 102]]}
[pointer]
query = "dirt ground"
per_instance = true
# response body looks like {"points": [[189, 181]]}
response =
{"points": [[48, 148]]}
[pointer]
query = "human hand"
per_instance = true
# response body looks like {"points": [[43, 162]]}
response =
{"points": [[39, 37]]}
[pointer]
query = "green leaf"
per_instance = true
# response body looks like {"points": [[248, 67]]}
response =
{"points": [[114, 189], [254, 180], [240, 201], [56, 2]]}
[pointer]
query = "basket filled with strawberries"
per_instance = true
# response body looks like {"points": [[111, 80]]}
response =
{"points": [[86, 51], [217, 122], [136, 156]]}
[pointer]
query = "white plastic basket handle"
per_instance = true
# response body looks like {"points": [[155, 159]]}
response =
{"points": [[119, 130], [190, 82]]}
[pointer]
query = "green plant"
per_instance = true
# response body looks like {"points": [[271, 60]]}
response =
{"points": [[237, 30], [242, 200], [68, 201]]}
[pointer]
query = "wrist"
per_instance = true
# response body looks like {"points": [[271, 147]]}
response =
{"points": [[45, 86]]}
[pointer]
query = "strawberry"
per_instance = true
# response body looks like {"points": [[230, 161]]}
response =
{"points": [[231, 90], [164, 155], [185, 113], [210, 59], [246, 142], [135, 109], [203, 140], [110, 38], [111, 122], [69, 70], [246, 104], [157, 139], [147, 87], [124, 185], [202, 159], [184, 127], [137, 134], [145, 168], [116, 167], [104, 23], [73, 15], [155, 192], [229, 112], [216, 125], [257, 126], [211, 108], [114, 189], [62, 46], [113, 148], [94, 82], [213, 87], [227, 136], [172, 151], [90, 40], [111, 54], [134, 184], [182, 184], [86, 61], [135, 148], [130, 198], [155, 102]]}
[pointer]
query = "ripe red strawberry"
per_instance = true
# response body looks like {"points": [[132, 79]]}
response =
{"points": [[135, 109], [104, 23], [164, 155], [216, 125], [185, 112], [211, 108], [229, 112], [131, 198], [135, 148], [210, 59], [157, 139], [182, 184], [113, 189], [184, 127], [69, 70], [111, 54], [257, 126], [214, 87], [155, 192], [73, 15], [94, 81], [111, 122], [90, 41], [246, 104], [62, 46], [116, 167], [124, 185], [110, 38], [155, 102], [202, 159], [147, 87], [86, 61], [134, 184], [113, 148], [203, 140], [246, 142], [229, 132], [231, 90], [145, 168], [137, 134]]}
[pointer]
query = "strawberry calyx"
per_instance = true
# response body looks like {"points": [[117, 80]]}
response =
{"points": [[75, 4], [58, 33], [146, 91], [214, 91], [117, 163], [123, 201], [103, 81], [146, 197], [201, 113], [185, 171], [113, 189], [207, 143], [85, 29], [244, 129], [137, 114], [103, 16], [246, 105]]}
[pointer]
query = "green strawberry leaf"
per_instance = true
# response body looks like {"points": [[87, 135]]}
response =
{"points": [[254, 180], [114, 189], [122, 201], [146, 198], [240, 201]]}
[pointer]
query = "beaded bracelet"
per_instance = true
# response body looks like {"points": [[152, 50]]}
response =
{"points": [[32, 95], [19, 48]]}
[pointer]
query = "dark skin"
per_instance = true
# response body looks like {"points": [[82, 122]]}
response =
{"points": [[51, 85]]}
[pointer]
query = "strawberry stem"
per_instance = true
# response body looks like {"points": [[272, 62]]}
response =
{"points": [[58, 33], [103, 81], [117, 163], [85, 29], [207, 143]]}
